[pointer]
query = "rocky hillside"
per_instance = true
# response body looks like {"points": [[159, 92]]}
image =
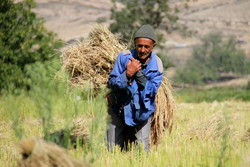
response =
{"points": [[231, 17], [73, 19]]}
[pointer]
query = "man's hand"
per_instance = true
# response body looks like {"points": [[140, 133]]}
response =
{"points": [[133, 66]]}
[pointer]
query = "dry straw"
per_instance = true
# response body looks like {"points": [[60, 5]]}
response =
{"points": [[93, 59], [80, 130], [75, 134], [164, 113], [38, 153], [211, 128], [246, 137]]}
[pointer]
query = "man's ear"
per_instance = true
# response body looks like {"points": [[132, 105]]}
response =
{"points": [[154, 44]]}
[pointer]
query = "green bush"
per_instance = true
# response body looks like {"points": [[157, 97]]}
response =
{"points": [[135, 13], [248, 85], [23, 41], [214, 57], [41, 73], [166, 60], [213, 94]]}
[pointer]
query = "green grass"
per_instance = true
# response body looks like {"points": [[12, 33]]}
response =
{"points": [[213, 94], [26, 114]]}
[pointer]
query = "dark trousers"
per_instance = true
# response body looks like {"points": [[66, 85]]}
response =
{"points": [[122, 135]]}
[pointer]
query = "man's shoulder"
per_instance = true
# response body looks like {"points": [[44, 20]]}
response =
{"points": [[123, 56], [159, 63], [126, 52]]}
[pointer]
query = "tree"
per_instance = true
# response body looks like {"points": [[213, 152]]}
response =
{"points": [[23, 41], [129, 15], [214, 57], [134, 13]]}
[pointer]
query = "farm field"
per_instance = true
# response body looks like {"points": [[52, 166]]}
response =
{"points": [[211, 125], [204, 134]]}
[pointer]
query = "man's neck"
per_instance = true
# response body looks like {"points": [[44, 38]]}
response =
{"points": [[145, 61]]}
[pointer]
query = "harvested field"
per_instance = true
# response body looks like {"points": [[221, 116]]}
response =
{"points": [[172, 150]]}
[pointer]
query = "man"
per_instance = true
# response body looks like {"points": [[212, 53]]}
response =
{"points": [[134, 81]]}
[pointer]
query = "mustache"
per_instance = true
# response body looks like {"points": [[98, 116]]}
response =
{"points": [[145, 53]]}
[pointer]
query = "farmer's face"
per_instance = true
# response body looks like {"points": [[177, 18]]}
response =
{"points": [[144, 47]]}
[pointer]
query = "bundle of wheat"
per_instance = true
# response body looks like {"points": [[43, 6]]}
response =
{"points": [[164, 114], [211, 128], [80, 130], [92, 60], [77, 133], [38, 153], [246, 136]]}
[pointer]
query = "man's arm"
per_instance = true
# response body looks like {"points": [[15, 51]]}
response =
{"points": [[132, 67], [124, 69], [149, 86]]}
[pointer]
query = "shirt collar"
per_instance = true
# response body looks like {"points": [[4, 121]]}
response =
{"points": [[151, 64]]}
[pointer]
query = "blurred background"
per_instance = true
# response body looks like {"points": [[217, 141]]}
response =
{"points": [[204, 44], [205, 49], [73, 19]]}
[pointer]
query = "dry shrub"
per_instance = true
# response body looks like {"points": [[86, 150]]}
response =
{"points": [[246, 136], [80, 127], [69, 137], [211, 128], [38, 153], [164, 114], [246, 160], [93, 59]]}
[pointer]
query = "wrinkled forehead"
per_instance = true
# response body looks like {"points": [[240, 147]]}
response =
{"points": [[144, 41]]}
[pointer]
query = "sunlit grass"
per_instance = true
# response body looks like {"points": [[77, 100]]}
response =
{"points": [[176, 149], [212, 94]]}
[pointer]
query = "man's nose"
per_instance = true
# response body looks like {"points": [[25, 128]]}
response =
{"points": [[143, 49]]}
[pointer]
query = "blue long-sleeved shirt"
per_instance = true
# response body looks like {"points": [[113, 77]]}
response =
{"points": [[138, 104]]}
